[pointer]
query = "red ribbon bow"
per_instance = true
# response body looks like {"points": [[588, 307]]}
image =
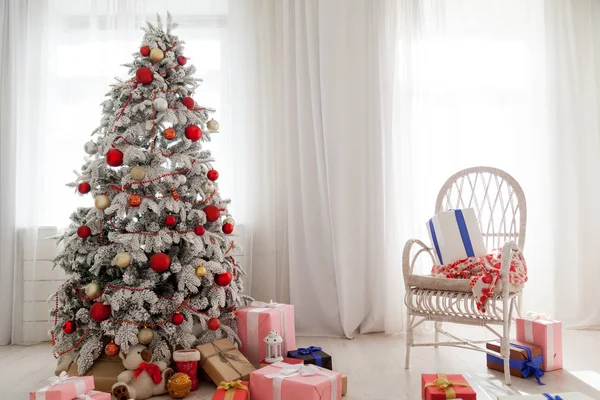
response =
{"points": [[151, 369]]}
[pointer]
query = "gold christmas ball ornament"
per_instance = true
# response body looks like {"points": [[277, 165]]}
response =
{"points": [[179, 385], [93, 290], [138, 173], [122, 260], [212, 125], [200, 271], [156, 54], [145, 335], [101, 202], [229, 220]]}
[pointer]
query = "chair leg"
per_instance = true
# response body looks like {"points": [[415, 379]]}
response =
{"points": [[409, 340], [438, 326], [505, 351]]}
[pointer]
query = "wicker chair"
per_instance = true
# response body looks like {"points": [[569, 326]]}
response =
{"points": [[500, 206]]}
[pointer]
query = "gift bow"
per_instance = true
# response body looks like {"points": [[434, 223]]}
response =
{"points": [[533, 316], [86, 396], [152, 369], [446, 385], [230, 387], [298, 369], [531, 367], [550, 397], [262, 304], [55, 380], [309, 350]]}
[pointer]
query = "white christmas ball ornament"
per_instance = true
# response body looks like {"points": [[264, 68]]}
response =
{"points": [[122, 260], [90, 147], [229, 220], [108, 105], [138, 173], [160, 104], [156, 54], [181, 179], [92, 290], [101, 202], [208, 187]]}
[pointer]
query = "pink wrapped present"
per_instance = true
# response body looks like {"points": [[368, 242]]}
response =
{"points": [[540, 330], [255, 323], [94, 395], [295, 382], [63, 387]]}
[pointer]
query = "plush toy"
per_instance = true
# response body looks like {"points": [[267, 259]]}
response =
{"points": [[142, 378]]}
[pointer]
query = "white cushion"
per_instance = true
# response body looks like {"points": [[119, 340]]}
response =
{"points": [[451, 285]]}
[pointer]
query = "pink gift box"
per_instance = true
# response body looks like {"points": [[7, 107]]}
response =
{"points": [[543, 332], [255, 323], [295, 382], [95, 395], [63, 387]]}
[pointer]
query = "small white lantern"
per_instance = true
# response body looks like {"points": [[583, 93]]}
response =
{"points": [[273, 341]]}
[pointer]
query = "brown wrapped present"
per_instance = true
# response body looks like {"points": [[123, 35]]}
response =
{"points": [[344, 385], [518, 357], [222, 361], [104, 370]]}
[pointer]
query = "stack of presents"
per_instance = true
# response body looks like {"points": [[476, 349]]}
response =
{"points": [[267, 365]]}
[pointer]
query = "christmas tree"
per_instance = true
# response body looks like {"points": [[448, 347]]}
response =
{"points": [[151, 261]]}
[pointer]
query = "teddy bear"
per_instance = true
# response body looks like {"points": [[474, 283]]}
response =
{"points": [[142, 378]]}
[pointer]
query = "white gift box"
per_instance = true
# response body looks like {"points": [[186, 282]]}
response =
{"points": [[563, 396], [455, 235]]}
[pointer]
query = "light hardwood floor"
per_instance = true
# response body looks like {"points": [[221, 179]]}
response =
{"points": [[374, 365]]}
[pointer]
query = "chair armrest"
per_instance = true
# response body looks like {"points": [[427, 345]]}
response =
{"points": [[507, 250], [408, 263]]}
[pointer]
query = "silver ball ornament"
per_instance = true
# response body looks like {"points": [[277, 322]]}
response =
{"points": [[145, 335], [122, 260], [93, 290], [181, 179], [107, 105], [160, 104], [90, 147], [101, 202]]}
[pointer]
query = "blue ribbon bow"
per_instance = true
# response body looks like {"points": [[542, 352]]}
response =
{"points": [[528, 367], [312, 351], [550, 397]]}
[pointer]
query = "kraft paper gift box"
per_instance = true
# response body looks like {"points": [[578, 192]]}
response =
{"points": [[64, 387], [446, 386], [232, 390], [282, 381], [540, 330], [547, 396], [312, 355], [455, 235], [104, 371], [222, 361], [525, 360], [255, 323]]}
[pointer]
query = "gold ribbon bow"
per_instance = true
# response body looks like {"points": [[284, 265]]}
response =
{"points": [[231, 387], [443, 383]]}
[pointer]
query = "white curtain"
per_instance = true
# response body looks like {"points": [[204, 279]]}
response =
{"points": [[58, 58], [354, 114]]}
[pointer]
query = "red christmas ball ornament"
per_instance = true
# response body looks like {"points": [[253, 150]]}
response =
{"points": [[188, 102], [170, 220], [214, 324], [223, 279], [114, 157], [178, 318], [145, 51], [169, 133], [134, 200], [68, 327], [160, 262], [193, 133], [199, 230], [111, 349], [212, 175], [227, 229], [84, 231], [99, 311], [212, 213], [235, 312], [84, 188], [144, 75], [181, 60]]}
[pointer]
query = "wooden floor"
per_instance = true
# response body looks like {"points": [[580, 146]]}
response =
{"points": [[374, 365]]}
